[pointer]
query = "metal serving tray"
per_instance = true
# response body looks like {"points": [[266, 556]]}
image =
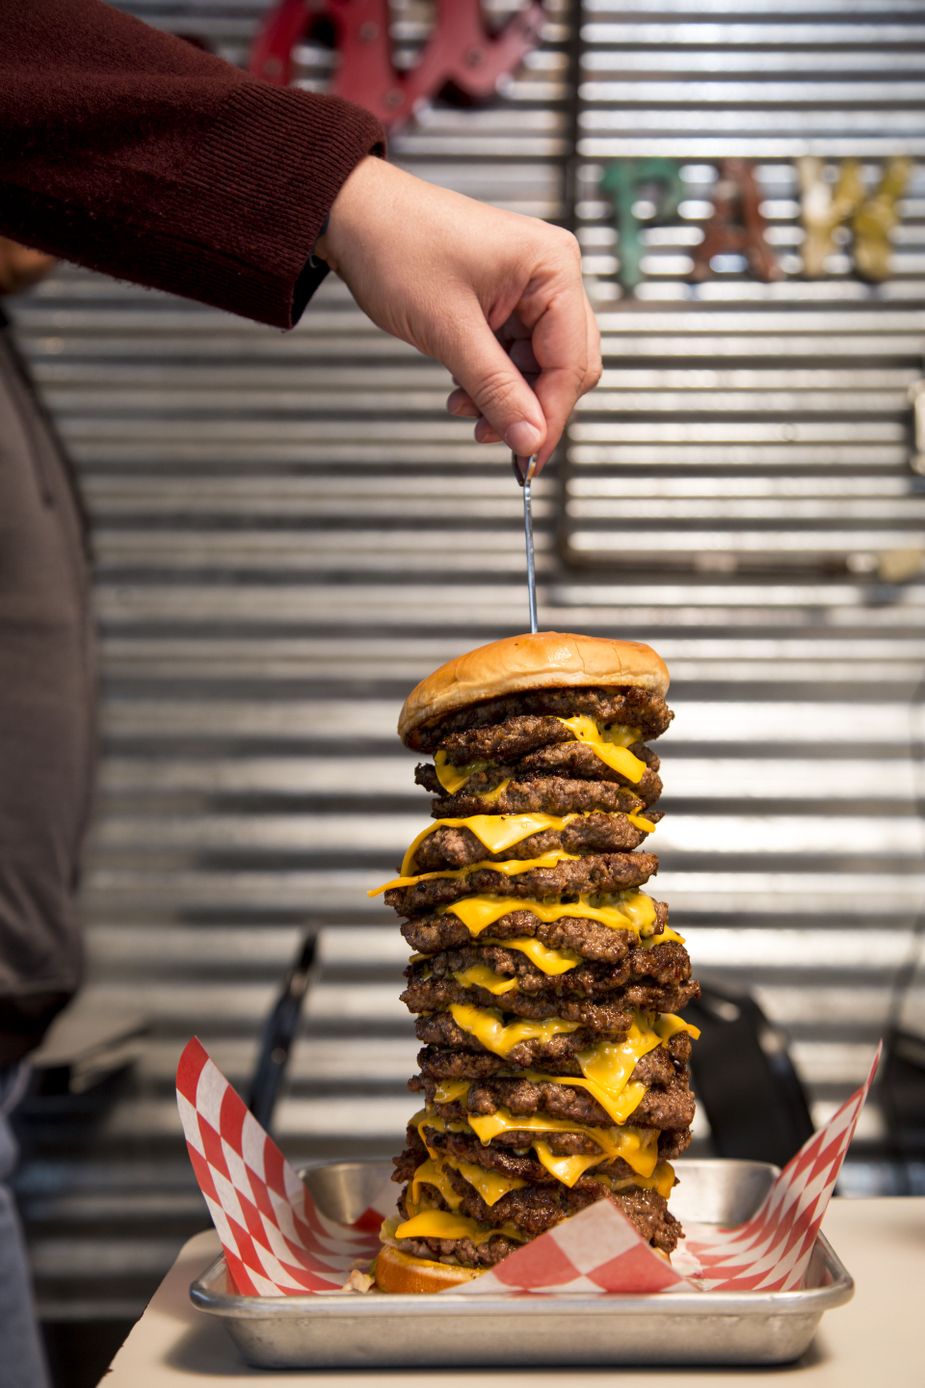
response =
{"points": [[343, 1330]]}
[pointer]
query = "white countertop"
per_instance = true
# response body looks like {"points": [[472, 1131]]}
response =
{"points": [[874, 1339]]}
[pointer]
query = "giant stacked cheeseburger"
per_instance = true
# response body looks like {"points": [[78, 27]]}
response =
{"points": [[546, 982]]}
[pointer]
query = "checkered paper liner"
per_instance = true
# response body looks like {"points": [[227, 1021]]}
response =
{"points": [[278, 1243]]}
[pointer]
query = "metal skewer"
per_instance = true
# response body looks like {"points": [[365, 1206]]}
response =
{"points": [[525, 471]]}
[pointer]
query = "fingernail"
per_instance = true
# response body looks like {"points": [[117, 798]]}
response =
{"points": [[523, 438]]}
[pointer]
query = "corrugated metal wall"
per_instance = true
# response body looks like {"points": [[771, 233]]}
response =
{"points": [[290, 533]]}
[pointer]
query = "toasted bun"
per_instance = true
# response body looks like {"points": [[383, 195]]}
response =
{"points": [[544, 660], [400, 1272]]}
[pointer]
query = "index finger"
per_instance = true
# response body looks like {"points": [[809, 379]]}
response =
{"points": [[560, 340]]}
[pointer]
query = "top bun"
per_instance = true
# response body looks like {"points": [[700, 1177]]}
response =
{"points": [[542, 660]]}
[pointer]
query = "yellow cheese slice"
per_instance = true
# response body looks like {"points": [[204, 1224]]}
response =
{"points": [[487, 1026], [496, 832], [453, 778], [662, 1180], [424, 1118], [610, 745], [441, 1224], [491, 797], [618, 1103], [481, 976], [653, 941], [512, 867], [639, 821], [432, 1173], [608, 1066], [448, 1091], [638, 1147], [427, 1118], [549, 961], [632, 911], [567, 1169], [491, 1185]]}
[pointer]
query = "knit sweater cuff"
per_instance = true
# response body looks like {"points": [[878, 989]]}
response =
{"points": [[252, 201]]}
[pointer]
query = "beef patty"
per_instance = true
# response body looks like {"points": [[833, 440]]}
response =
{"points": [[570, 761], [447, 847], [591, 939], [605, 873], [542, 1208], [603, 1012], [668, 1108], [667, 963], [671, 1143], [639, 708], [506, 743], [439, 1063], [548, 794], [493, 1156]]}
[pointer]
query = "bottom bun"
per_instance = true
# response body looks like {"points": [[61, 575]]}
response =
{"points": [[400, 1272]]}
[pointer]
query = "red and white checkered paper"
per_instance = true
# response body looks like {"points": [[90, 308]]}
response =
{"points": [[277, 1242]]}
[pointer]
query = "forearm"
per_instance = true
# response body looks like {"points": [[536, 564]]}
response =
{"points": [[136, 154]]}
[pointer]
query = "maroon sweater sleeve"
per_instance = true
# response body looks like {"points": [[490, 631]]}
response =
{"points": [[134, 153]]}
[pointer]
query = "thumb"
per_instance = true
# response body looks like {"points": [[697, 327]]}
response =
{"points": [[486, 373]]}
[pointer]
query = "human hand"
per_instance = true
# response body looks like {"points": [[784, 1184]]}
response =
{"points": [[21, 267], [496, 297]]}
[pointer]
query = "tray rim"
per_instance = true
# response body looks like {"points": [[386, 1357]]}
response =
{"points": [[800, 1301]]}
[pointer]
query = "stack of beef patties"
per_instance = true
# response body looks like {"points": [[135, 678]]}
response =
{"points": [[554, 1069]]}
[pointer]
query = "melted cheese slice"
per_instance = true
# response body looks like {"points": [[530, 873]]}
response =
{"points": [[426, 1119], [610, 745], [550, 961], [448, 1091], [432, 1173], [496, 832], [487, 1027], [441, 1224], [570, 1169], [491, 797], [481, 976], [512, 867], [662, 1180], [453, 778], [651, 941], [608, 1066], [491, 1185], [633, 911], [637, 1146]]}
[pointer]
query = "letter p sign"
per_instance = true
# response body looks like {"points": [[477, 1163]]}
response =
{"points": [[626, 182]]}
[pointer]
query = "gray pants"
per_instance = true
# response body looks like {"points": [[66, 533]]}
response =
{"points": [[47, 706], [22, 1362], [46, 759]]}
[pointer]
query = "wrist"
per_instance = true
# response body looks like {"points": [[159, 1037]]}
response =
{"points": [[347, 210]]}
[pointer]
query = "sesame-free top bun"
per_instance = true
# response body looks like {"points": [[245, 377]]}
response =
{"points": [[543, 660]]}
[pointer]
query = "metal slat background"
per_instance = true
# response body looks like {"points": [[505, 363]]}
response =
{"points": [[290, 532], [761, 425]]}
